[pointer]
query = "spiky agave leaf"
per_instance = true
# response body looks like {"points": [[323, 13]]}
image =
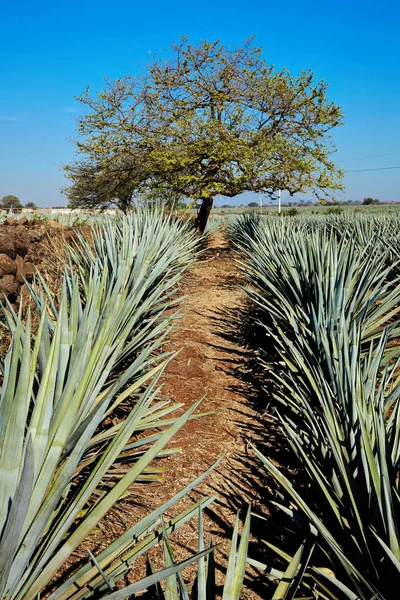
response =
{"points": [[333, 312], [58, 393]]}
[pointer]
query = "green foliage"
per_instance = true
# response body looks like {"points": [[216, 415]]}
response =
{"points": [[207, 121], [10, 201], [334, 210], [291, 212], [30, 205], [252, 204], [368, 201], [80, 222], [81, 419], [206, 588], [332, 310], [162, 195], [101, 184]]}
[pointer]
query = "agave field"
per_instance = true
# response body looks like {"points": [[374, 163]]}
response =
{"points": [[328, 294], [82, 419], [96, 352]]}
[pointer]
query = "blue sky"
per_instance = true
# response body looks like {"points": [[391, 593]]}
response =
{"points": [[49, 53]]}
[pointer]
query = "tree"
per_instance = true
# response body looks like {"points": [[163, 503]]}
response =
{"points": [[370, 201], [30, 205], [205, 122], [162, 194], [10, 201], [252, 204], [100, 184]]}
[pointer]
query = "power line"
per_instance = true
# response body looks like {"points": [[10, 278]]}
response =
{"points": [[367, 157], [379, 169]]}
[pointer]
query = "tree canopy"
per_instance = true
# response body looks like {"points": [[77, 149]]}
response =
{"points": [[206, 121], [10, 201]]}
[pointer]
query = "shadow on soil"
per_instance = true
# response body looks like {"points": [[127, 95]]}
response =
{"points": [[250, 365], [245, 341]]}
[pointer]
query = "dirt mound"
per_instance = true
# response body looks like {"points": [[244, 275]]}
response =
{"points": [[25, 246]]}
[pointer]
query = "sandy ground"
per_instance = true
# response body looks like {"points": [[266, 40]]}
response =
{"points": [[214, 362]]}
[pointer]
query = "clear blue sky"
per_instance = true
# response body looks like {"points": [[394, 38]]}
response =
{"points": [[49, 53]]}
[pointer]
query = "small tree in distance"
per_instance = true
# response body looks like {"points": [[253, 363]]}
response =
{"points": [[10, 201], [368, 201], [252, 204], [207, 121], [30, 205]]}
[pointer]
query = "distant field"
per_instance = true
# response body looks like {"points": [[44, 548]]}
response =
{"points": [[312, 210]]}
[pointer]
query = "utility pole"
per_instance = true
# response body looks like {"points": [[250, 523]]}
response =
{"points": [[279, 202]]}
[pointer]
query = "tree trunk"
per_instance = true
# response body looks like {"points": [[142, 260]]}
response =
{"points": [[202, 216]]}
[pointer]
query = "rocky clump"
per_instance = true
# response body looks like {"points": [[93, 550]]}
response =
{"points": [[20, 250], [28, 246]]}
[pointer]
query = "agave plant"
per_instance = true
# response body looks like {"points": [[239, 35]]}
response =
{"points": [[205, 588], [348, 447], [333, 314], [214, 225], [97, 346], [315, 283]]}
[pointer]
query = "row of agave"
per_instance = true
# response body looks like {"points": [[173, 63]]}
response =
{"points": [[95, 353], [329, 295]]}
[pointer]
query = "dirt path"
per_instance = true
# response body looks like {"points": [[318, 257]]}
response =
{"points": [[212, 361]]}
